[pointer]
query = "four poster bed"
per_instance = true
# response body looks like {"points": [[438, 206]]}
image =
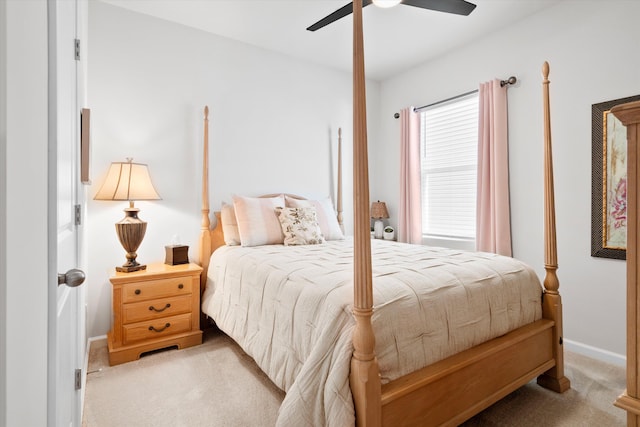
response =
{"points": [[440, 335]]}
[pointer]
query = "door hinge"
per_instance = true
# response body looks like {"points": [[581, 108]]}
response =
{"points": [[78, 380], [76, 43], [78, 214]]}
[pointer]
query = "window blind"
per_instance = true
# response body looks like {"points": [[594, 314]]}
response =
{"points": [[449, 144]]}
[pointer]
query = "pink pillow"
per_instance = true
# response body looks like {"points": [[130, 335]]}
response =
{"points": [[257, 221]]}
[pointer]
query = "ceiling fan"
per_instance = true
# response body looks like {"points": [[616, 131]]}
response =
{"points": [[458, 7]]}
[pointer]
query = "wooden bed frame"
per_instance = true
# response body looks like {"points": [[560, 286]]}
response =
{"points": [[454, 389]]}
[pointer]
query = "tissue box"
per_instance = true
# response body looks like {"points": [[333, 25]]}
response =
{"points": [[176, 254]]}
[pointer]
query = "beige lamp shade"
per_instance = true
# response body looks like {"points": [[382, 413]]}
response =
{"points": [[379, 210], [127, 181]]}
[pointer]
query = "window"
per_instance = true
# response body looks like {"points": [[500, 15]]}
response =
{"points": [[449, 158]]}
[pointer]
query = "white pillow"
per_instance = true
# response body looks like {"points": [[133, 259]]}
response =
{"points": [[229, 225], [300, 226], [326, 216], [257, 221]]}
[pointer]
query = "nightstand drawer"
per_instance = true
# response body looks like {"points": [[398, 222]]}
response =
{"points": [[158, 328], [153, 309], [150, 289]]}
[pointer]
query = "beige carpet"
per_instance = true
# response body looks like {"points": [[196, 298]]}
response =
{"points": [[216, 384]]}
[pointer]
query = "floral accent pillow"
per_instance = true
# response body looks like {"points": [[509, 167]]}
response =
{"points": [[300, 226], [327, 219]]}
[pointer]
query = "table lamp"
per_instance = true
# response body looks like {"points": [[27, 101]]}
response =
{"points": [[378, 212], [129, 181]]}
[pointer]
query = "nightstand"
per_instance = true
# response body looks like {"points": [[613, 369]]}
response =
{"points": [[153, 309]]}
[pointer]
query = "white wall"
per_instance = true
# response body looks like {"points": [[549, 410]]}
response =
{"points": [[24, 272], [273, 127], [592, 50], [3, 212]]}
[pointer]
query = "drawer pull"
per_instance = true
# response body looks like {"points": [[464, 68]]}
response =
{"points": [[151, 328], [159, 310], [180, 286], [137, 292]]}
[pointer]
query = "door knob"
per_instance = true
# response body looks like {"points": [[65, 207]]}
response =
{"points": [[71, 278]]}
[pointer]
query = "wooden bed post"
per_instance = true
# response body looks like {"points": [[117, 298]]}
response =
{"points": [[205, 234], [553, 379], [365, 374], [629, 115], [339, 195]]}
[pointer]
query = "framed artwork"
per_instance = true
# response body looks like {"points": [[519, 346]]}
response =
{"points": [[608, 181]]}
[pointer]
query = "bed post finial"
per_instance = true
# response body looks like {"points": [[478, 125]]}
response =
{"points": [[545, 71], [553, 379], [205, 234]]}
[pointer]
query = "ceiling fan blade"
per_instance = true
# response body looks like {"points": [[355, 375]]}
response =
{"points": [[340, 13], [459, 7]]}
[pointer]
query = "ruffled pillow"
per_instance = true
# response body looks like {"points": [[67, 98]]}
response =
{"points": [[300, 226]]}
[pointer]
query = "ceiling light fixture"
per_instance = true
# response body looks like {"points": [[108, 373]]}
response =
{"points": [[386, 3]]}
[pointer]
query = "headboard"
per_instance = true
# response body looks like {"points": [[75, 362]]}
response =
{"points": [[211, 239]]}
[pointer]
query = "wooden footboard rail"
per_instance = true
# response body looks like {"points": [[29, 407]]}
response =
{"points": [[453, 390]]}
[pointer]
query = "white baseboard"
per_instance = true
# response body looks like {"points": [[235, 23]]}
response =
{"points": [[595, 353]]}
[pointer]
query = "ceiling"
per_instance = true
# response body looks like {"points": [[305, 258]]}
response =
{"points": [[395, 39]]}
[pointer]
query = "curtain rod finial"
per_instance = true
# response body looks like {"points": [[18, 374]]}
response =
{"points": [[510, 81]]}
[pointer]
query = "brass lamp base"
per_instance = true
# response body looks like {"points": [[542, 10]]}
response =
{"points": [[129, 269], [130, 231]]}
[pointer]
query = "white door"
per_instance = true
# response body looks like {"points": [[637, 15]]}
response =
{"points": [[66, 349]]}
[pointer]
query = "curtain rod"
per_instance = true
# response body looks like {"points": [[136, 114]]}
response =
{"points": [[510, 81]]}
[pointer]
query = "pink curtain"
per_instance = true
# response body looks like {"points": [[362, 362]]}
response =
{"points": [[493, 227], [410, 209]]}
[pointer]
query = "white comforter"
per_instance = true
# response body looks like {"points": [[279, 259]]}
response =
{"points": [[289, 307]]}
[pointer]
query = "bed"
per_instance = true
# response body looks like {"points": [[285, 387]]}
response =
{"points": [[289, 307], [349, 336]]}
